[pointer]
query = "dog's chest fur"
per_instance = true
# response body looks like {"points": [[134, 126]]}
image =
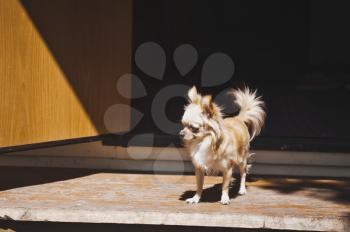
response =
{"points": [[203, 157]]}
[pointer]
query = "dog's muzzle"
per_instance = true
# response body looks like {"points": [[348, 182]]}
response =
{"points": [[182, 134]]}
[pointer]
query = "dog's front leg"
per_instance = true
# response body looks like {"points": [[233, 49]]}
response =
{"points": [[225, 198], [199, 180]]}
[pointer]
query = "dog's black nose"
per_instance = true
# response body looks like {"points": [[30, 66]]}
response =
{"points": [[182, 134]]}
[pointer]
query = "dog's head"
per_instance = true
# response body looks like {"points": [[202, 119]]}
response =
{"points": [[199, 113]]}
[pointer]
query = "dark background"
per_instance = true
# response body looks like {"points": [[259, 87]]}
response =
{"points": [[296, 53]]}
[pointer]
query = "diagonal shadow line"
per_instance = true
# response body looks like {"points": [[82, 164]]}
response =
{"points": [[91, 42], [17, 177]]}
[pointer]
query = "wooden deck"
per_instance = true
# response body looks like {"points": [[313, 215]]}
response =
{"points": [[95, 197]]}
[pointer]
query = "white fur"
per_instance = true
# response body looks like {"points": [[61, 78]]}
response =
{"points": [[225, 199], [252, 111], [193, 200], [203, 157], [201, 154], [193, 114]]}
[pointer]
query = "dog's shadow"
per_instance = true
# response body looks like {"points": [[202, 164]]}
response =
{"points": [[213, 194]]}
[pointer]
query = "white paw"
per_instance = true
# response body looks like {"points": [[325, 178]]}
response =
{"points": [[193, 200], [242, 191], [225, 200]]}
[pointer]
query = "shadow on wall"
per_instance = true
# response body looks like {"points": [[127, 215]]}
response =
{"points": [[91, 41]]}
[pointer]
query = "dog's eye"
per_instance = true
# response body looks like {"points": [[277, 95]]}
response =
{"points": [[194, 129]]}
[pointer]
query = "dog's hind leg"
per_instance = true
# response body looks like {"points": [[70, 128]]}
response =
{"points": [[243, 172]]}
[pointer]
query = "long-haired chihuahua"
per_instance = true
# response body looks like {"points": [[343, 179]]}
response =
{"points": [[217, 144]]}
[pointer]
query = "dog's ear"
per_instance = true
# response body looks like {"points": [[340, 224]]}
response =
{"points": [[207, 105], [193, 95], [210, 109]]}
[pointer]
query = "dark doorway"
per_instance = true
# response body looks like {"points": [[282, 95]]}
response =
{"points": [[294, 52]]}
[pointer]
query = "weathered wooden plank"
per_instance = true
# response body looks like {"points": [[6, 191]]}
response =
{"points": [[298, 204]]}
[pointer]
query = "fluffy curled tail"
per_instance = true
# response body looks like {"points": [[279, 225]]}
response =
{"points": [[252, 109]]}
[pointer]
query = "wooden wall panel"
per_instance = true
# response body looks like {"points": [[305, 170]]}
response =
{"points": [[59, 63]]}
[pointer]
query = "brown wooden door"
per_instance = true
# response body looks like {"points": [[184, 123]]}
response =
{"points": [[59, 64]]}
